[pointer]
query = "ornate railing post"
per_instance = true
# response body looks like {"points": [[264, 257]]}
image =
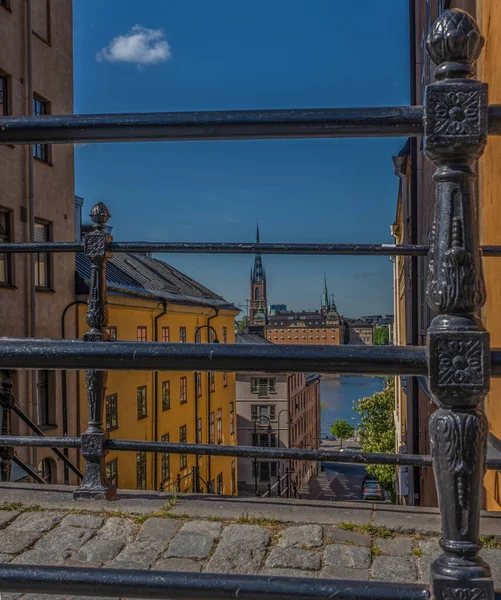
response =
{"points": [[96, 246], [6, 452], [458, 345]]}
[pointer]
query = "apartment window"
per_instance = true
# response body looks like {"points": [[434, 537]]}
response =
{"points": [[112, 332], [199, 430], [46, 468], [42, 259], [183, 458], [111, 412], [5, 259], [263, 411], [210, 336], [265, 440], [165, 461], [220, 483], [212, 384], [142, 334], [225, 335], [46, 398], [198, 384], [165, 334], [112, 473], [182, 335], [233, 477], [266, 470], [219, 425], [183, 394], [141, 470], [225, 379], [4, 95], [263, 386], [165, 395], [41, 107], [211, 429], [142, 407], [232, 418]]}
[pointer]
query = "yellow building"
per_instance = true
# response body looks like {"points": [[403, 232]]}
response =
{"points": [[149, 300]]}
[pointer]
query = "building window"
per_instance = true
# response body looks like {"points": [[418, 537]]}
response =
{"points": [[165, 395], [165, 334], [142, 407], [263, 386], [41, 107], [46, 468], [111, 412], [183, 458], [225, 379], [5, 259], [199, 430], [211, 428], [141, 470], [267, 470], [46, 398], [232, 418], [220, 483], [141, 334], [183, 394], [42, 260], [233, 477], [210, 336], [182, 335], [225, 335], [264, 411], [112, 332], [112, 473], [165, 461], [4, 95], [265, 440], [219, 425], [198, 384], [212, 384]]}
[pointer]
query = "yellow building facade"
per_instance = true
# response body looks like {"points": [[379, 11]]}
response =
{"points": [[165, 306]]}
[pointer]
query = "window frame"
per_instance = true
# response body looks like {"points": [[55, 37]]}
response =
{"points": [[6, 94], [165, 461], [166, 397], [225, 378], [109, 411], [183, 390], [212, 381], [47, 226], [199, 430], [225, 335], [219, 484], [233, 477], [165, 334], [198, 384], [141, 467], [183, 458], [41, 151], [212, 428], [142, 403], [219, 425], [139, 333], [111, 330], [7, 257], [47, 418], [182, 335], [112, 478]]}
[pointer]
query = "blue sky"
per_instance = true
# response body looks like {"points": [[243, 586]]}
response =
{"points": [[238, 55]]}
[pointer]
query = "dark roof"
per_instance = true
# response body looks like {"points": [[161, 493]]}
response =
{"points": [[134, 274], [360, 323], [251, 338]]}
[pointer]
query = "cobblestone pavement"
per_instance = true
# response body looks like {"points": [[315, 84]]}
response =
{"points": [[247, 545]]}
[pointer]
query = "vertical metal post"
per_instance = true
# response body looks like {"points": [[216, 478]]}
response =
{"points": [[458, 345], [96, 246], [178, 482], [193, 480], [6, 453]]}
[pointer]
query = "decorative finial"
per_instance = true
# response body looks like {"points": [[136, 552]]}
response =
{"points": [[454, 43], [100, 215]]}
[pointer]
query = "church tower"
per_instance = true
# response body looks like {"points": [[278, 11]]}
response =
{"points": [[325, 304], [258, 300]]}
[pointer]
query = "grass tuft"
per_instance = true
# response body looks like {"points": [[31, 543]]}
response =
{"points": [[417, 552], [375, 551], [371, 529], [491, 542]]}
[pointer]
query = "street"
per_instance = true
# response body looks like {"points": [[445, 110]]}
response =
{"points": [[336, 482]]}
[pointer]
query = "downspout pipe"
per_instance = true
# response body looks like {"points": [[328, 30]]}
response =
{"points": [[64, 386], [209, 458], [155, 396]]}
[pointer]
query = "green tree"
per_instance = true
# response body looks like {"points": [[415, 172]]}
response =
{"points": [[381, 336], [242, 324], [377, 430], [342, 430]]}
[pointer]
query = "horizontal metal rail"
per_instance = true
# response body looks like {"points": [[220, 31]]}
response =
{"points": [[155, 356], [363, 458], [237, 248], [400, 121], [131, 583]]}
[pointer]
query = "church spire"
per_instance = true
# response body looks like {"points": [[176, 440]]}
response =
{"points": [[325, 305], [258, 272]]}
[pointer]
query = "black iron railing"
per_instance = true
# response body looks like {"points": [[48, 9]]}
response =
{"points": [[458, 361]]}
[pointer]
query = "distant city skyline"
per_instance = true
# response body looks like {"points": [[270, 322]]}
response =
{"points": [[135, 57]]}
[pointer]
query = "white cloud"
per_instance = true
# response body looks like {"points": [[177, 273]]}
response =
{"points": [[140, 46]]}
